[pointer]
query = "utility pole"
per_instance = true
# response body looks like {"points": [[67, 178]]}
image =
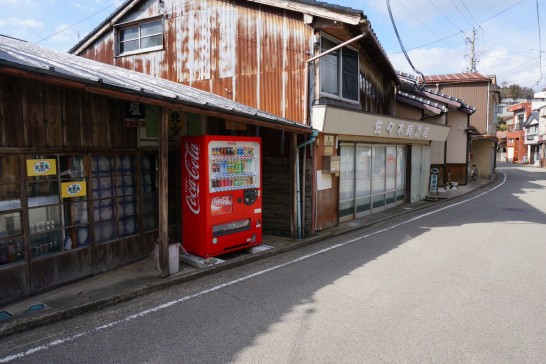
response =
{"points": [[471, 53]]}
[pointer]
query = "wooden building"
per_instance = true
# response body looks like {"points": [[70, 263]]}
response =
{"points": [[316, 63], [84, 186], [480, 91], [450, 158]]}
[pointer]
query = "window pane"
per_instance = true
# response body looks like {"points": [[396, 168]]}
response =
{"points": [[378, 176], [391, 169], [102, 166], [71, 167], [329, 69], [128, 46], [363, 170], [10, 224], [103, 209], [125, 164], [125, 185], [151, 28], [128, 34], [149, 42], [401, 168], [126, 206], [42, 193], [43, 218], [9, 169], [350, 74], [12, 250], [75, 213], [9, 196]]}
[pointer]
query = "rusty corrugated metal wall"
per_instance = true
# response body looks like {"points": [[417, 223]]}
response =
{"points": [[252, 54]]}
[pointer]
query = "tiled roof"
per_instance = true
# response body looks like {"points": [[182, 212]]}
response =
{"points": [[409, 84]]}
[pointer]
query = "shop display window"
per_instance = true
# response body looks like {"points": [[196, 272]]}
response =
{"points": [[75, 207], [10, 188], [44, 218], [150, 202], [114, 202]]}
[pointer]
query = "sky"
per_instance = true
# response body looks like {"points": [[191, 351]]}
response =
{"points": [[436, 34]]}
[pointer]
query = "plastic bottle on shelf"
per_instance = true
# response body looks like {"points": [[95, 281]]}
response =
{"points": [[12, 251], [19, 251]]}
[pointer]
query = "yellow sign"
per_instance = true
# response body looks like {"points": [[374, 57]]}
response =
{"points": [[74, 189], [41, 167]]}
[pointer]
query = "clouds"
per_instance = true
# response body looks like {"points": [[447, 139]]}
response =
{"points": [[436, 34], [16, 22]]}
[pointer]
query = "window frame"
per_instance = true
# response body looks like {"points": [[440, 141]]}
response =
{"points": [[340, 71], [138, 24]]}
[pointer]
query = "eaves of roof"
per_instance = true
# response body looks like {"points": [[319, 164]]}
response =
{"points": [[421, 102], [22, 58], [410, 84]]}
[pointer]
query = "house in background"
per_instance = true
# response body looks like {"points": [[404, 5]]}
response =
{"points": [[481, 92], [538, 105], [531, 139], [313, 62], [449, 157], [542, 133], [516, 151]]}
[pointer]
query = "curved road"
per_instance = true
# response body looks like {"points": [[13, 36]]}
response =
{"points": [[464, 281]]}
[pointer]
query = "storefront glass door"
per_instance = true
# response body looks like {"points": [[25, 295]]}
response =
{"points": [[373, 178]]}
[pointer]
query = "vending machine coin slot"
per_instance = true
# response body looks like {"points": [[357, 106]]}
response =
{"points": [[250, 196]]}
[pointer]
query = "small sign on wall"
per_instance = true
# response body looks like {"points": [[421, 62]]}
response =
{"points": [[329, 142], [41, 167], [73, 189], [434, 174], [134, 114]]}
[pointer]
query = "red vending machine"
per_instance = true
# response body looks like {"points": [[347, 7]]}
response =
{"points": [[222, 203]]}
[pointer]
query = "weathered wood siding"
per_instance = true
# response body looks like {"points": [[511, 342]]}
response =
{"points": [[38, 115], [43, 119]]}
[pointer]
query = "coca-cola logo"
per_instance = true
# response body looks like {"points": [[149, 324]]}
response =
{"points": [[191, 163], [221, 205], [222, 201]]}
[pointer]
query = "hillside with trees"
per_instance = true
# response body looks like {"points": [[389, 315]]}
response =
{"points": [[516, 92]]}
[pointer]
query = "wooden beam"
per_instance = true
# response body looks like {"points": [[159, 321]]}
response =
{"points": [[163, 192]]}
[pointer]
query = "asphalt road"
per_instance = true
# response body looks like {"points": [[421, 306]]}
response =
{"points": [[463, 282]]}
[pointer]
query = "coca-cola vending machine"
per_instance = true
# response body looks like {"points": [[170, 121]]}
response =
{"points": [[222, 197]]}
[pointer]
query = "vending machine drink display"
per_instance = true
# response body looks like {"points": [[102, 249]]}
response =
{"points": [[222, 202]]}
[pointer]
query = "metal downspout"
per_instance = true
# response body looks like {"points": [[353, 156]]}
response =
{"points": [[298, 187]]}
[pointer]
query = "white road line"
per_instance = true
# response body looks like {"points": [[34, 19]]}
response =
{"points": [[230, 283]]}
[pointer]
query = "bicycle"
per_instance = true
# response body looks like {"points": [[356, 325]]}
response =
{"points": [[472, 173]]}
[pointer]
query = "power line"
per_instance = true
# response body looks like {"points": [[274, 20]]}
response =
{"points": [[400, 41], [468, 11], [455, 34], [539, 45], [460, 12]]}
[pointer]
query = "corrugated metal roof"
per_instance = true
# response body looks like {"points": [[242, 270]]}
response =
{"points": [[456, 78], [329, 6], [36, 59]]}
